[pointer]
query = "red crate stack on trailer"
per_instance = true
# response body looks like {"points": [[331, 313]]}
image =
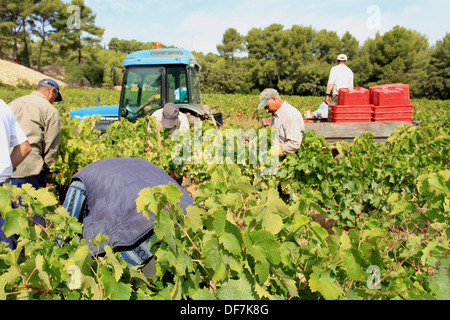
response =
{"points": [[391, 102], [387, 102], [353, 106]]}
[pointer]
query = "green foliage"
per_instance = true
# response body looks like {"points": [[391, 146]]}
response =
{"points": [[232, 43], [437, 85], [371, 224], [51, 262], [400, 55], [246, 244], [360, 182], [296, 61]]}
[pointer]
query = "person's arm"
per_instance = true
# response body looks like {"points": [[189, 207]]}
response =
{"points": [[19, 153], [52, 138], [19, 143], [350, 85], [330, 85], [294, 135]]}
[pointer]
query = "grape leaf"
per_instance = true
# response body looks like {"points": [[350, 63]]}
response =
{"points": [[194, 216], [203, 294], [353, 268], [236, 290], [118, 270], [264, 246], [42, 195], [322, 282], [173, 193], [440, 283], [113, 289], [15, 224], [5, 201]]}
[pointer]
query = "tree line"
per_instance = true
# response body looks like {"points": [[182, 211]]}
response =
{"points": [[296, 61]]}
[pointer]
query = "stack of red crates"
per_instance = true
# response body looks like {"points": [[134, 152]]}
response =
{"points": [[387, 102], [353, 106], [391, 102]]}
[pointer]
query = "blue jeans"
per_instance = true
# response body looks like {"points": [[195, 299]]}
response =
{"points": [[322, 112]]}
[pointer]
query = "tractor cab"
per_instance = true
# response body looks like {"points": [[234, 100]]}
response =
{"points": [[151, 79], [155, 77]]}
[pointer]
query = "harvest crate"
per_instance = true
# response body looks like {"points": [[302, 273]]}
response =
{"points": [[393, 119], [355, 96], [351, 113], [352, 120], [402, 87], [392, 109], [389, 97], [352, 108], [393, 113]]}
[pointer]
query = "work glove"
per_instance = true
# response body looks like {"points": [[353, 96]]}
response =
{"points": [[276, 150]]}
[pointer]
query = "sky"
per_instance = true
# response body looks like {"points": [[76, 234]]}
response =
{"points": [[199, 25]]}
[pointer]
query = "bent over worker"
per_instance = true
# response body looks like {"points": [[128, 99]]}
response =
{"points": [[103, 196]]}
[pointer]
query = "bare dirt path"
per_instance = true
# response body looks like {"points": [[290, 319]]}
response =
{"points": [[14, 74]]}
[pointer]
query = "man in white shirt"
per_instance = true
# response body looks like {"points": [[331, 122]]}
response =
{"points": [[341, 76], [11, 136], [286, 119]]}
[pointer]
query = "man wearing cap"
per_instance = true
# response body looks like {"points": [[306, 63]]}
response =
{"points": [[341, 76], [171, 118], [40, 121], [286, 119]]}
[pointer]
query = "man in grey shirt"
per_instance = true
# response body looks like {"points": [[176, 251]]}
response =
{"points": [[286, 119]]}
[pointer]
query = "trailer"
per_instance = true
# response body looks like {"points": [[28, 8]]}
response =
{"points": [[335, 131], [378, 110]]}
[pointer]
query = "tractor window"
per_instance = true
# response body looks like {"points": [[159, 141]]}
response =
{"points": [[195, 86], [177, 85], [142, 91]]}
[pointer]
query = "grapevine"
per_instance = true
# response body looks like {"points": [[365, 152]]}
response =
{"points": [[386, 205]]}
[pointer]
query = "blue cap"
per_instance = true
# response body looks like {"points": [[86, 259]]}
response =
{"points": [[54, 84]]}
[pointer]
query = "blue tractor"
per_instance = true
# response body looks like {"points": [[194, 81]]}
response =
{"points": [[151, 79]]}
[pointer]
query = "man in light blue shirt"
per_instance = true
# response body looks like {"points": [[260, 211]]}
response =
{"points": [[286, 119]]}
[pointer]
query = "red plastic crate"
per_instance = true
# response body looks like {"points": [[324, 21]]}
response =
{"points": [[351, 120], [393, 120], [392, 109], [389, 97], [402, 115], [343, 115], [351, 108], [399, 116], [355, 96], [391, 86]]}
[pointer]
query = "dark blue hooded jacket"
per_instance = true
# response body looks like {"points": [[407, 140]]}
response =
{"points": [[112, 187]]}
